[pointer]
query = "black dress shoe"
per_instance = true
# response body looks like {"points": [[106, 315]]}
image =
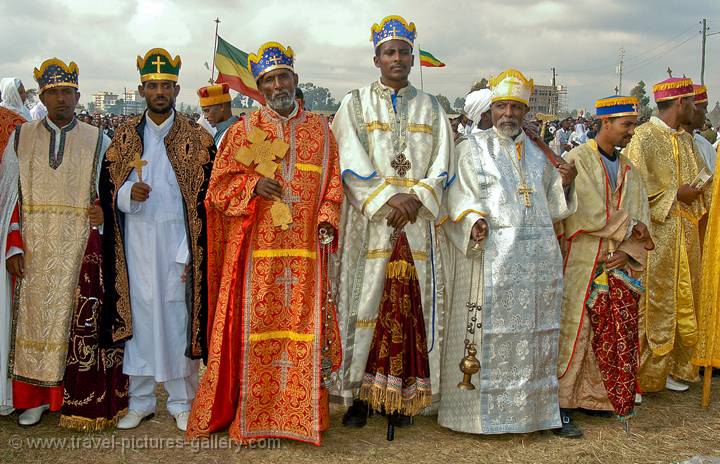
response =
{"points": [[568, 429], [401, 420], [357, 414], [596, 413]]}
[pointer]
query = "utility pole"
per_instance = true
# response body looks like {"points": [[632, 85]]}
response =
{"points": [[702, 63], [621, 59], [705, 35]]}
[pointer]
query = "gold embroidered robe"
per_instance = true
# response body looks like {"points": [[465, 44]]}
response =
{"points": [[667, 159], [55, 192]]}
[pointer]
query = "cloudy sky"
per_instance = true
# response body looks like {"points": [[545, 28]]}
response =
{"points": [[475, 38]]}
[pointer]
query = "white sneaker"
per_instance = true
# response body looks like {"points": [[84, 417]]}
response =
{"points": [[181, 420], [6, 410], [32, 416], [673, 385], [638, 398], [132, 419]]}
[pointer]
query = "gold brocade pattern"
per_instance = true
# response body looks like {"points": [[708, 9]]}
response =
{"points": [[708, 347], [187, 147], [54, 246], [666, 160]]}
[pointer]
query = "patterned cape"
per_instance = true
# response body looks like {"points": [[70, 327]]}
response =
{"points": [[191, 151]]}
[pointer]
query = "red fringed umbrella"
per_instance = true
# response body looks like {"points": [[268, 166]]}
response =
{"points": [[613, 310], [397, 374]]}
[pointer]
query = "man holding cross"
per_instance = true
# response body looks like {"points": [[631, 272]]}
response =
{"points": [[502, 208], [153, 186], [273, 211]]}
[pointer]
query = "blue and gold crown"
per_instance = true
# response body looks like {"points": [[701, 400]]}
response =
{"points": [[393, 28], [55, 73], [270, 56], [616, 106]]}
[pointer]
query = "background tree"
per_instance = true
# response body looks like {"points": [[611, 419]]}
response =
{"points": [[318, 98], [481, 84], [459, 103], [444, 102], [644, 111]]}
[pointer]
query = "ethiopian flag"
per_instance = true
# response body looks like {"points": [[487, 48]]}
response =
{"points": [[232, 66], [429, 61]]}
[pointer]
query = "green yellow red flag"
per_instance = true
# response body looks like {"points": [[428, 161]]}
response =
{"points": [[232, 66], [429, 61]]}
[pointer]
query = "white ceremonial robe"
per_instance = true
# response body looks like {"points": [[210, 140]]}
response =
{"points": [[9, 173], [517, 387], [157, 250], [708, 153], [370, 134]]}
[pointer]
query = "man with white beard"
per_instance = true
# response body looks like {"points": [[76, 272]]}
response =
{"points": [[502, 207]]}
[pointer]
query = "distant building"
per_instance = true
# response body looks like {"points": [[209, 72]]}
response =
{"points": [[134, 103], [545, 99], [104, 100]]}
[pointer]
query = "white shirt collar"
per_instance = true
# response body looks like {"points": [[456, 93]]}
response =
{"points": [[162, 126]]}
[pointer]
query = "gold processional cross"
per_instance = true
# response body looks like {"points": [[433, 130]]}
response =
{"points": [[138, 164], [158, 62], [263, 153]]}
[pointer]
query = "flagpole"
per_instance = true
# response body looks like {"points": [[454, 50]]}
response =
{"points": [[421, 66], [212, 69]]}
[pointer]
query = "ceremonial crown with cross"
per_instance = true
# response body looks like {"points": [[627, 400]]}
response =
{"points": [[616, 106], [511, 84], [393, 28], [270, 56], [701, 95], [672, 88], [214, 94], [158, 65], [55, 73]]}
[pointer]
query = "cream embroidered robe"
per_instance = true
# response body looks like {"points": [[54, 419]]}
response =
{"points": [[383, 152], [57, 184], [604, 219], [517, 388]]}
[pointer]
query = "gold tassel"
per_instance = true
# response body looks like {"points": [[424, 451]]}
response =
{"points": [[391, 401], [400, 269], [85, 424]]}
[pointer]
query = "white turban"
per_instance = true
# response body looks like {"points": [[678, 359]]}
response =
{"points": [[477, 103], [11, 97]]}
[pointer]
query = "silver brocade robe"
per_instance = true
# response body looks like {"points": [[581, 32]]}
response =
{"points": [[370, 135], [517, 385]]}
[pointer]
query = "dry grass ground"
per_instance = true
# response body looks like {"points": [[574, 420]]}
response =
{"points": [[669, 427]]}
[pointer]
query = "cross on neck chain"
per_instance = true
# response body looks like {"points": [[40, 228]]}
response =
{"points": [[523, 188]]}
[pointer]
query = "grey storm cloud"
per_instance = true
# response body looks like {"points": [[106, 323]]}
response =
{"points": [[476, 39]]}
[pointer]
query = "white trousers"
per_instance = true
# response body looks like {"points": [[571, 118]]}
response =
{"points": [[181, 393]]}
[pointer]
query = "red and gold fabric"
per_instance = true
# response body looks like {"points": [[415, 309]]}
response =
{"points": [[8, 121], [265, 327], [397, 374]]}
